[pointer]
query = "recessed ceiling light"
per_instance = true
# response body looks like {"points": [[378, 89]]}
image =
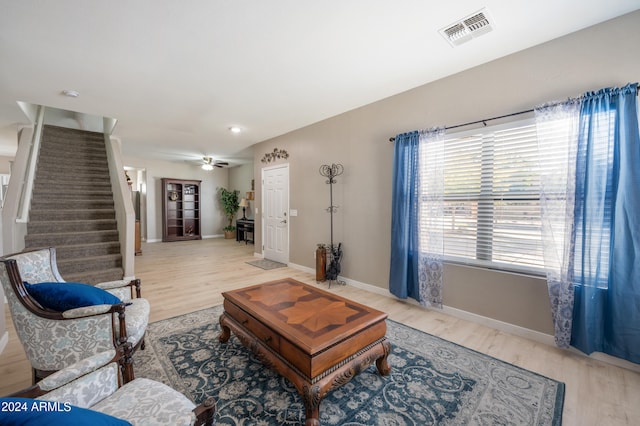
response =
{"points": [[235, 129], [71, 93]]}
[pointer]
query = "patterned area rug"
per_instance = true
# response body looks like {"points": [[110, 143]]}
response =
{"points": [[267, 264], [432, 382]]}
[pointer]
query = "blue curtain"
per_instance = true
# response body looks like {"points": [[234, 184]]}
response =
{"points": [[417, 236], [606, 312], [403, 275]]}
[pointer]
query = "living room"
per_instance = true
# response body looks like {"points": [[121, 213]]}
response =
{"points": [[359, 140]]}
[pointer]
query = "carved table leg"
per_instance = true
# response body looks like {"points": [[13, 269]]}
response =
{"points": [[381, 363], [312, 421], [311, 396], [226, 331]]}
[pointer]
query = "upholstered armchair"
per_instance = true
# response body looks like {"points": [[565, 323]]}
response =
{"points": [[54, 338], [92, 384]]}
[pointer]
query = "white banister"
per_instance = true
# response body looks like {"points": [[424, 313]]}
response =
{"points": [[27, 183], [125, 213]]}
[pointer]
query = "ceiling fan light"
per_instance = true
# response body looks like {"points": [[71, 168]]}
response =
{"points": [[207, 167]]}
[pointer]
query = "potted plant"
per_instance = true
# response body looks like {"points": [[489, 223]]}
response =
{"points": [[230, 204]]}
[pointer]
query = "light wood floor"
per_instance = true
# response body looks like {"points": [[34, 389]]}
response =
{"points": [[182, 277]]}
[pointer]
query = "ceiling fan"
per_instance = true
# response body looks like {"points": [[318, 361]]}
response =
{"points": [[209, 163]]}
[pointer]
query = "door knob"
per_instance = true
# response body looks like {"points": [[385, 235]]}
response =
{"points": [[283, 221]]}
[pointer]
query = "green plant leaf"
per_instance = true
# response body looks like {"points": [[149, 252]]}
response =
{"points": [[230, 201]]}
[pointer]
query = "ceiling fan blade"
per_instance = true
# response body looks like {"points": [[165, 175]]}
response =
{"points": [[222, 163], [217, 165]]}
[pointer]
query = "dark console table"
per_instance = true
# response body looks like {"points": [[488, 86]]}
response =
{"points": [[244, 227]]}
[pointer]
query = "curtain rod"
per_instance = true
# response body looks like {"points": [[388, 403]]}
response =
{"points": [[392, 139], [480, 121]]}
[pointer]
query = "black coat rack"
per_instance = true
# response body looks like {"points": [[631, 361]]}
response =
{"points": [[335, 252]]}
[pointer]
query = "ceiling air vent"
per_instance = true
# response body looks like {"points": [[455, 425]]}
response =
{"points": [[464, 30]]}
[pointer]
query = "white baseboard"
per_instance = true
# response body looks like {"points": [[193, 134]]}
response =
{"points": [[301, 268], [618, 362], [515, 330], [204, 237], [4, 340]]}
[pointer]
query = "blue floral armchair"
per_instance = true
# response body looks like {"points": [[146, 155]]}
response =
{"points": [[54, 339], [93, 384]]}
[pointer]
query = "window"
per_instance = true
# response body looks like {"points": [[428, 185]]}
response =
{"points": [[491, 200]]}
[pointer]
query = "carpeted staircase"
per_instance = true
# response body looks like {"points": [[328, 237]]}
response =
{"points": [[72, 206]]}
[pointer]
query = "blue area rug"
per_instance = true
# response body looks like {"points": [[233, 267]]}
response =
{"points": [[432, 382]]}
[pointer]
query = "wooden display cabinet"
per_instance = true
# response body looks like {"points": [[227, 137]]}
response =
{"points": [[180, 210]]}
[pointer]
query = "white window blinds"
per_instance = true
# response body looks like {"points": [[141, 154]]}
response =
{"points": [[491, 197]]}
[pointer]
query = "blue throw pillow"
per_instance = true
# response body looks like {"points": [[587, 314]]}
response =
{"points": [[27, 412], [64, 296]]}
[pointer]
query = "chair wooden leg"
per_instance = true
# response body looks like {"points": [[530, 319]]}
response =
{"points": [[126, 362], [136, 284], [37, 375], [205, 412]]}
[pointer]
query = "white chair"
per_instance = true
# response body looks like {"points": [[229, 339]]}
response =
{"points": [[52, 339], [93, 384]]}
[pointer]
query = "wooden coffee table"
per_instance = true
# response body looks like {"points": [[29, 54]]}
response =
{"points": [[314, 338]]}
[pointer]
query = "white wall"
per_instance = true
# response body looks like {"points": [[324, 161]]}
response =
{"points": [[240, 178]]}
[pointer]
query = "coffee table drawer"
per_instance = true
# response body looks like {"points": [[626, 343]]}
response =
{"points": [[261, 332]]}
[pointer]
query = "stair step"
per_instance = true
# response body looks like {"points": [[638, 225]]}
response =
{"points": [[95, 214], [77, 186], [59, 141], [87, 250], [71, 166], [53, 146], [66, 178], [70, 195], [49, 150], [95, 277], [66, 185], [70, 155], [59, 239], [78, 176], [64, 226], [67, 132], [53, 149], [89, 264], [66, 162], [70, 204]]}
